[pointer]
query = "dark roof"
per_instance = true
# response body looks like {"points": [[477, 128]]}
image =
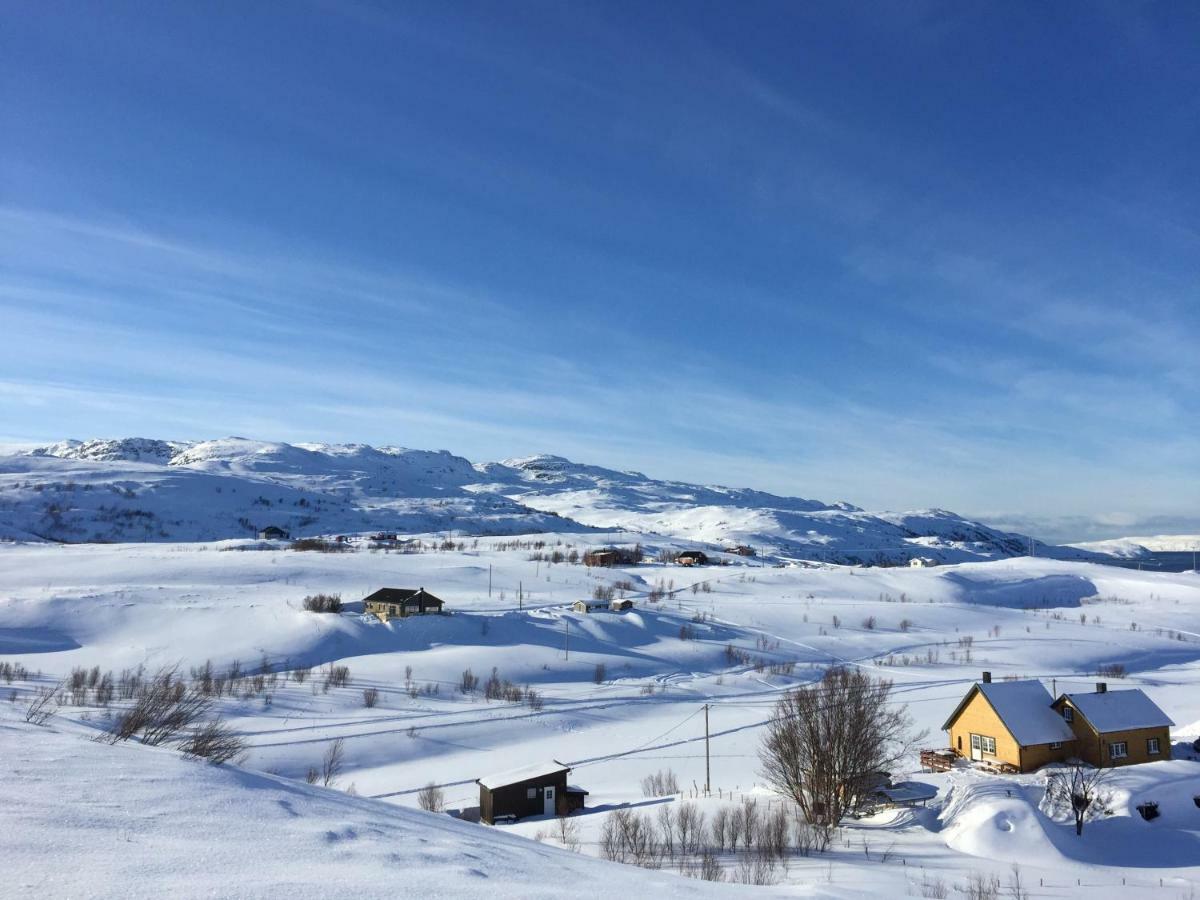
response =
{"points": [[400, 595], [694, 554]]}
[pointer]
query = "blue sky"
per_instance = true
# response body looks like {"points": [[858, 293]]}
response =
{"points": [[904, 254]]}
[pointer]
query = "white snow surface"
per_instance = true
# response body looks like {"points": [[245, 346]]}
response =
{"points": [[85, 819], [523, 773]]}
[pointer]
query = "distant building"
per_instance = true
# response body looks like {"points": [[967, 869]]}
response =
{"points": [[922, 562], [600, 558], [742, 550], [273, 533], [692, 558], [621, 605], [590, 606], [400, 603], [1017, 726], [536, 790]]}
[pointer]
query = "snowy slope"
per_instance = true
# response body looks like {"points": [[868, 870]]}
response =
{"points": [[142, 822], [152, 490]]}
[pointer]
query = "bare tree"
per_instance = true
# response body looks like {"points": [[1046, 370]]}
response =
{"points": [[370, 697], [825, 742], [1079, 788], [568, 833], [43, 706], [431, 798], [331, 762]]}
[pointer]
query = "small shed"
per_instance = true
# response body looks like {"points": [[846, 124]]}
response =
{"points": [[590, 606], [692, 558], [742, 550], [272, 533], [922, 562], [537, 790], [621, 605], [400, 603]]}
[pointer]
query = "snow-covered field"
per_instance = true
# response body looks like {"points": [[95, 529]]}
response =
{"points": [[729, 636]]}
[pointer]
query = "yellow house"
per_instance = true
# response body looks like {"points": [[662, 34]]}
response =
{"points": [[1009, 724], [1116, 728]]}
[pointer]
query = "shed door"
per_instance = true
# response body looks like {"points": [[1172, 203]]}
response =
{"points": [[976, 747], [549, 798]]}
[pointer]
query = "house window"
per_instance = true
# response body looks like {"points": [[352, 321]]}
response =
{"points": [[1118, 750], [1056, 745], [1152, 746], [531, 793], [1068, 714], [989, 745]]}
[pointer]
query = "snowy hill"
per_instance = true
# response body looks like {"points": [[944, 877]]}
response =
{"points": [[1135, 547], [137, 489]]}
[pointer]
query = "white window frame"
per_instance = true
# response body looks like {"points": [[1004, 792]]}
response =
{"points": [[1118, 750], [1056, 745], [1153, 746], [1068, 714], [988, 745]]}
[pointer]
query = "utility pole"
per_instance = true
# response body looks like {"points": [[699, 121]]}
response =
{"points": [[520, 595], [707, 767], [567, 639], [489, 581]]}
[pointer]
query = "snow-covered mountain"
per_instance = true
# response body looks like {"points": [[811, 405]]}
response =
{"points": [[136, 489], [1137, 547]]}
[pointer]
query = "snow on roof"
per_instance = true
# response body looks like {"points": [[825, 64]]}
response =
{"points": [[1119, 710], [525, 773], [1024, 708]]}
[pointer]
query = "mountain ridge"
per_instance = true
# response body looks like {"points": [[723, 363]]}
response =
{"points": [[139, 489]]}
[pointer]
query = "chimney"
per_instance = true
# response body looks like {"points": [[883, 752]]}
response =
{"points": [[987, 677], [1101, 687]]}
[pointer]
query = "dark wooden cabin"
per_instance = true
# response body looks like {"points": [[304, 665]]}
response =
{"points": [[537, 790], [399, 603], [692, 558], [272, 533], [601, 558]]}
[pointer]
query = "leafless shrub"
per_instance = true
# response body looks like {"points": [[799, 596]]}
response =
{"points": [[773, 833], [162, 710], [710, 869], [693, 828], [331, 762], [469, 682], [600, 673], [1016, 884], [662, 783], [666, 825], [336, 676], [935, 889], [319, 545], [213, 741], [1111, 670], [300, 673], [720, 828], [630, 837], [323, 603], [431, 799], [43, 706], [568, 832], [982, 887], [370, 697], [755, 868], [869, 623], [312, 775]]}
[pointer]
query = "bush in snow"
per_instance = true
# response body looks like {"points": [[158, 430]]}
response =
{"points": [[213, 741], [323, 603], [370, 697], [431, 799], [662, 783]]}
